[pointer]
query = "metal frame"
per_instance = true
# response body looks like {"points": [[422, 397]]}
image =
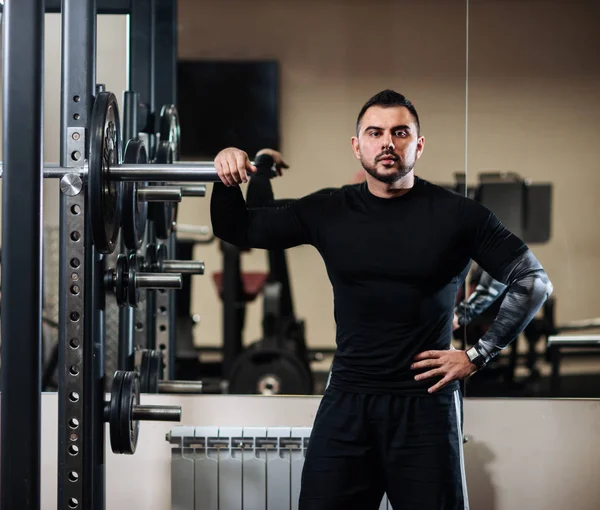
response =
{"points": [[81, 363], [23, 52]]}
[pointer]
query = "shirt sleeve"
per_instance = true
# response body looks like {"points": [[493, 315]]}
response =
{"points": [[274, 225], [509, 261]]}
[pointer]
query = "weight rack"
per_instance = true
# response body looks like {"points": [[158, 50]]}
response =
{"points": [[91, 174]]}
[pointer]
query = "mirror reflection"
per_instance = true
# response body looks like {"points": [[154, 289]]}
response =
{"points": [[508, 123]]}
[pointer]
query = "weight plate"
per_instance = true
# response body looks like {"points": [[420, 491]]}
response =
{"points": [[270, 372], [135, 212], [115, 411], [156, 361], [128, 427], [151, 259], [133, 293], [105, 151], [163, 214], [121, 276], [145, 371], [169, 128]]}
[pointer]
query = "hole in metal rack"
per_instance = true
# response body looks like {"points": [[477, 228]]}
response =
{"points": [[75, 236], [73, 450], [74, 343], [73, 476], [76, 99], [75, 209], [76, 116], [74, 316], [162, 309], [74, 396], [74, 423], [163, 347], [75, 263], [161, 291], [139, 326], [162, 328], [73, 503], [74, 370], [75, 289]]}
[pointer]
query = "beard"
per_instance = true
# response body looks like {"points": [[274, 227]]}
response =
{"points": [[402, 167]]}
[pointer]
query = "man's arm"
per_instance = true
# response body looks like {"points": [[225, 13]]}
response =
{"points": [[272, 228], [508, 260]]}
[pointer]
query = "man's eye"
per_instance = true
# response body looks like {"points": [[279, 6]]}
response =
{"points": [[373, 133]]}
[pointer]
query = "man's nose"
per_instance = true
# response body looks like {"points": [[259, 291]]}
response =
{"points": [[387, 144]]}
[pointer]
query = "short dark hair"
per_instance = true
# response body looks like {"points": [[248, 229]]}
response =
{"points": [[388, 99]]}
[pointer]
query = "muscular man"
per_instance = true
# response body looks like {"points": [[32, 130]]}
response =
{"points": [[395, 248]]}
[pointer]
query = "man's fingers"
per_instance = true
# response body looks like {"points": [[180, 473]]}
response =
{"points": [[431, 373], [429, 355], [440, 384], [428, 363], [240, 167]]}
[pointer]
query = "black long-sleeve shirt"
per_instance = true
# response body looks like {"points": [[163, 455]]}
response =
{"points": [[396, 265]]}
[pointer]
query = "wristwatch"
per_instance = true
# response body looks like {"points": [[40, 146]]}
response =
{"points": [[476, 357]]}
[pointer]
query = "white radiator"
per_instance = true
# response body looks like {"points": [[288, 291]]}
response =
{"points": [[235, 468]]}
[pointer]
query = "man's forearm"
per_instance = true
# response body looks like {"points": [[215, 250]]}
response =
{"points": [[528, 289]]}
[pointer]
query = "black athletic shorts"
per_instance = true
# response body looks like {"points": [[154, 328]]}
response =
{"points": [[363, 446]]}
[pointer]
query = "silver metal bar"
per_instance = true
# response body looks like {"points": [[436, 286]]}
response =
{"points": [[156, 413], [180, 387], [158, 281], [574, 341], [202, 230], [183, 266], [187, 172], [191, 190], [160, 194]]}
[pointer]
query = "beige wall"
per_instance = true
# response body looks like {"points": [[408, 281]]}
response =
{"points": [[533, 108], [522, 454]]}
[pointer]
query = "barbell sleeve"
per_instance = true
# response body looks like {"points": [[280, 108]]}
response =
{"points": [[191, 190], [159, 194], [156, 413], [158, 281], [183, 266], [191, 387], [202, 230]]}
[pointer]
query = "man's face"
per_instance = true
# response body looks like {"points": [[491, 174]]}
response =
{"points": [[388, 145]]}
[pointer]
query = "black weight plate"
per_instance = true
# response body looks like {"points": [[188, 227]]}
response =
{"points": [[121, 276], [135, 212], [105, 196], [169, 128], [145, 371], [163, 214], [128, 428], [270, 371], [151, 259], [115, 410], [156, 361], [133, 293]]}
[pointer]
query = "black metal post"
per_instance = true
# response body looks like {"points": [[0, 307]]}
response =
{"points": [[165, 53], [172, 321], [141, 61], [81, 354], [23, 53]]}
